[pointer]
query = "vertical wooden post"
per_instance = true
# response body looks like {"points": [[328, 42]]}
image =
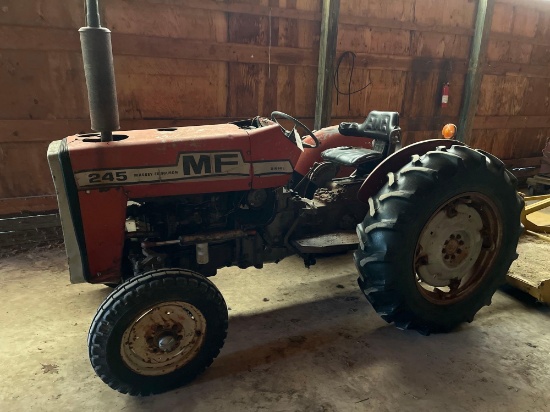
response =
{"points": [[327, 55], [478, 56]]}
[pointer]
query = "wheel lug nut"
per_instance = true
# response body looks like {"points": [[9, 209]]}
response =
{"points": [[452, 236], [458, 236], [459, 251], [446, 257]]}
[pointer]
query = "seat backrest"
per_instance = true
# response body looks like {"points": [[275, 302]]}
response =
{"points": [[377, 125]]}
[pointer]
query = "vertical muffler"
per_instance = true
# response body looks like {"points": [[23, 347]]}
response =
{"points": [[97, 54]]}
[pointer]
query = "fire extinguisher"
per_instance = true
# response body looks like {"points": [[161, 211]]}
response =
{"points": [[445, 95]]}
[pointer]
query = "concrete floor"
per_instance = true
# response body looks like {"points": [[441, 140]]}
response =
{"points": [[299, 340]]}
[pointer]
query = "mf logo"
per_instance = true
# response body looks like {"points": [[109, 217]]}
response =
{"points": [[200, 164], [190, 166]]}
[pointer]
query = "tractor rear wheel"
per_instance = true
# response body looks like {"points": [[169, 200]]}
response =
{"points": [[157, 331], [439, 239]]}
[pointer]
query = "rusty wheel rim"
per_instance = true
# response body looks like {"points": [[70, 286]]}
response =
{"points": [[163, 338], [457, 248]]}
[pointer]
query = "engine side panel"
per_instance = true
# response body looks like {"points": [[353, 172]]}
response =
{"points": [[273, 157], [103, 215], [181, 161], [151, 164]]}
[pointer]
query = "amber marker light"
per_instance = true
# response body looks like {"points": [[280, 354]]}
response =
{"points": [[449, 131]]}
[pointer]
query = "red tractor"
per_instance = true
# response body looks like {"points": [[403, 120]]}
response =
{"points": [[435, 225]]}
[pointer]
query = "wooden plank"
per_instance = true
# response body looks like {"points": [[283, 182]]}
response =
{"points": [[529, 142], [543, 28], [40, 236], [42, 85], [541, 5], [440, 45], [475, 67], [17, 224], [506, 51], [502, 95], [503, 18], [516, 69], [41, 39], [309, 12], [515, 38], [385, 92], [38, 39], [421, 94], [408, 63], [23, 205], [296, 91], [24, 170], [451, 13], [525, 21], [327, 57], [163, 20], [374, 41], [540, 55], [250, 91], [357, 20], [537, 98], [525, 162], [511, 122], [169, 88], [44, 13], [398, 10]]}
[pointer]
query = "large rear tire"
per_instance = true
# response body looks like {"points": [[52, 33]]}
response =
{"points": [[157, 331], [439, 239]]}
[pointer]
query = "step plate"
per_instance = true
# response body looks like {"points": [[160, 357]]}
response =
{"points": [[335, 242]]}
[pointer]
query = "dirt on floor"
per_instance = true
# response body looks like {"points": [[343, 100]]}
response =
{"points": [[299, 340]]}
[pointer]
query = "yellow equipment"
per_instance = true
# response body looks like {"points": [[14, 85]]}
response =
{"points": [[537, 223]]}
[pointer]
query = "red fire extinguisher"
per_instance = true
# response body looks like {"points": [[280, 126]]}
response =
{"points": [[445, 95]]}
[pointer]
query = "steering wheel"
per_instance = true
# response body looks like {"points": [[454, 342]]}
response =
{"points": [[297, 123]]}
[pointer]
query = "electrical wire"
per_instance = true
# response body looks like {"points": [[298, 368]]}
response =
{"points": [[336, 78]]}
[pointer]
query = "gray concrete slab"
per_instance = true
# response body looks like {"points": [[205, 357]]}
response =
{"points": [[314, 344]]}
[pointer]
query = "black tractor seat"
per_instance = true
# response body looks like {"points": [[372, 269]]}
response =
{"points": [[383, 127], [350, 156], [377, 125]]}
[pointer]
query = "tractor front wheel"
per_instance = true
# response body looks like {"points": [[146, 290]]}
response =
{"points": [[439, 239], [157, 331]]}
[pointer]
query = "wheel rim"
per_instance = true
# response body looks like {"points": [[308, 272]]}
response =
{"points": [[457, 248], [164, 338]]}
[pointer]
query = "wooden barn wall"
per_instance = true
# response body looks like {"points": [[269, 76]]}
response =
{"points": [[406, 50], [513, 116], [183, 62]]}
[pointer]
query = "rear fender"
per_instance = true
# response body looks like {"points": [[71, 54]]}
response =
{"points": [[378, 178]]}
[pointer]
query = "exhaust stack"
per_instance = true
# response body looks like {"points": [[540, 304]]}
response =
{"points": [[97, 55]]}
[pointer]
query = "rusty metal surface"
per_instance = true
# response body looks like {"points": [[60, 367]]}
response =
{"points": [[457, 248], [163, 339], [378, 177], [215, 236], [328, 243], [202, 238]]}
